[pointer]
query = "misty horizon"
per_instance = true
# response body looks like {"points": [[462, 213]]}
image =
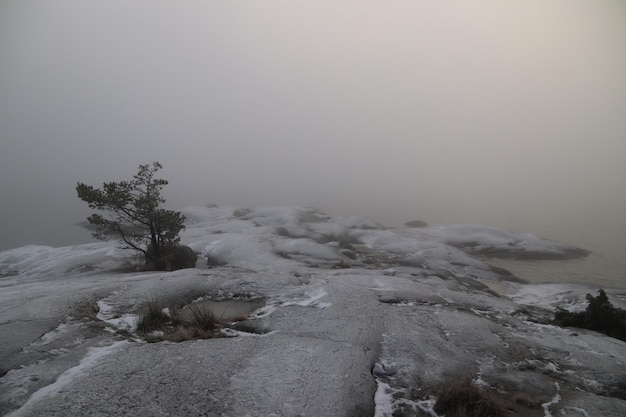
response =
{"points": [[510, 115]]}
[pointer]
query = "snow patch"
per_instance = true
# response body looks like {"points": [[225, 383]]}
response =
{"points": [[127, 322], [383, 400], [578, 410], [568, 296], [307, 247], [428, 406], [49, 337], [92, 357], [554, 400], [309, 299]]}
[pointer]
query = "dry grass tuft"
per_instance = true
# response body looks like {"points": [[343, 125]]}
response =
{"points": [[202, 317], [461, 398], [86, 309], [152, 317], [194, 321]]}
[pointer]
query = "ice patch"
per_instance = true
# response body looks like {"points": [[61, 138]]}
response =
{"points": [[127, 322], [307, 247], [484, 313], [104, 310], [554, 400], [92, 357], [593, 384], [49, 337], [578, 410], [264, 311], [310, 299], [390, 401], [427, 406], [568, 296], [238, 333], [551, 367], [383, 400]]}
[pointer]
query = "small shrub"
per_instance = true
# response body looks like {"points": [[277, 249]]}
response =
{"points": [[600, 315], [461, 398], [185, 319], [152, 317]]}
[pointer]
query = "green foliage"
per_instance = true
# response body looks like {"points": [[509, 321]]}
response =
{"points": [[133, 214], [600, 315]]}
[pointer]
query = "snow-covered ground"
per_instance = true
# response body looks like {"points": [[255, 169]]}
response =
{"points": [[358, 320]]}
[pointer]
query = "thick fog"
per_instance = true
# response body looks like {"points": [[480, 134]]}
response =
{"points": [[505, 113]]}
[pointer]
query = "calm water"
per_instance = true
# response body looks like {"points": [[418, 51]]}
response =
{"points": [[599, 227], [605, 267]]}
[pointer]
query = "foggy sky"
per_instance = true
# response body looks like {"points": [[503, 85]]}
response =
{"points": [[511, 113]]}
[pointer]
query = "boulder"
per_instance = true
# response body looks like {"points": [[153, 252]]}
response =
{"points": [[214, 261], [182, 257], [178, 257]]}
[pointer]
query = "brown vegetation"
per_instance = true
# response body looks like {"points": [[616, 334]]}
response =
{"points": [[195, 321], [461, 398]]}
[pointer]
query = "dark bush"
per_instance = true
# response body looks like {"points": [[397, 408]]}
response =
{"points": [[461, 398], [600, 315]]}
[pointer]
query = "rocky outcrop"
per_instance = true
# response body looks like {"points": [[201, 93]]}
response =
{"points": [[178, 257], [182, 257], [416, 223]]}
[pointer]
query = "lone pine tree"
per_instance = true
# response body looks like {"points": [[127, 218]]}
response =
{"points": [[131, 213]]}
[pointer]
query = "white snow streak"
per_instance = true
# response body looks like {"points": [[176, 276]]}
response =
{"points": [[383, 400], [310, 299], [581, 411], [427, 406], [126, 322], [554, 400], [92, 357]]}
